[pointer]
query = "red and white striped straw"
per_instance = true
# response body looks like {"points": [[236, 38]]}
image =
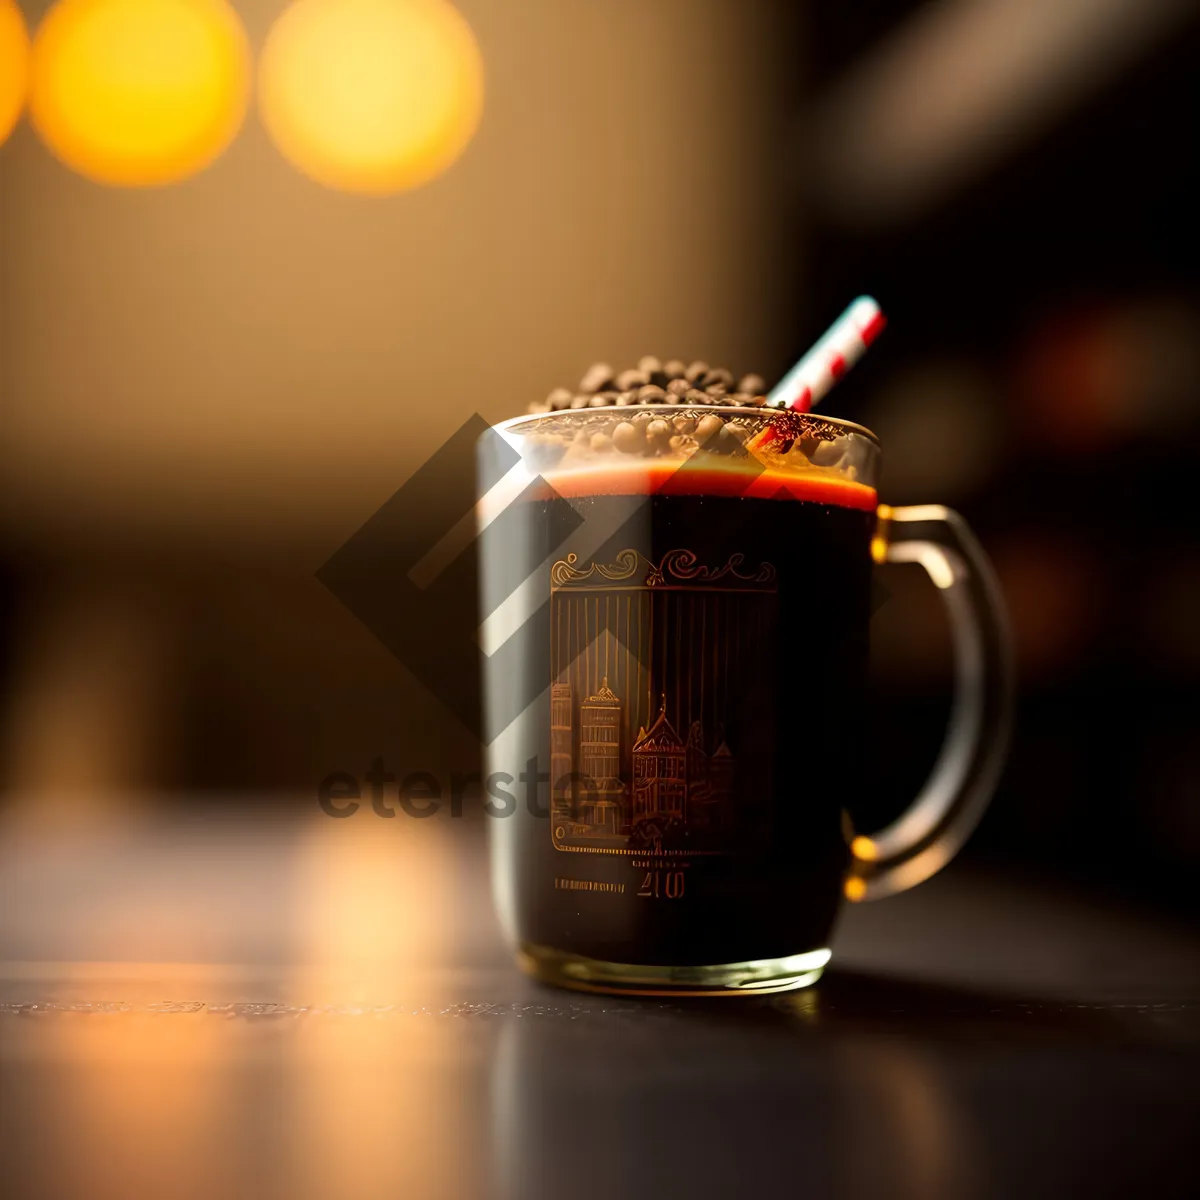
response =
{"points": [[842, 345]]}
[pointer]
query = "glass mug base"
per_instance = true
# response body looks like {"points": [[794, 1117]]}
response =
{"points": [[758, 977]]}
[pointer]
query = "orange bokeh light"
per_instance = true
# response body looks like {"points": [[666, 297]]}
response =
{"points": [[14, 66], [139, 92], [372, 96]]}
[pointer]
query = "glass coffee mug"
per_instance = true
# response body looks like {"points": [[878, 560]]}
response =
{"points": [[676, 606]]}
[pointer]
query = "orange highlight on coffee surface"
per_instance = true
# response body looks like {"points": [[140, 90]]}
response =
{"points": [[725, 477]]}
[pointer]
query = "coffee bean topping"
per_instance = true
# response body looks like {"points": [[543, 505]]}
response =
{"points": [[649, 432], [659, 432], [632, 379], [653, 381], [718, 375], [727, 441], [827, 454], [597, 378], [629, 438], [654, 368]]}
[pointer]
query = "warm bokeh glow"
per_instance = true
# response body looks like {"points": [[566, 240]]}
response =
{"points": [[14, 66], [139, 92], [863, 848], [371, 96], [854, 889]]}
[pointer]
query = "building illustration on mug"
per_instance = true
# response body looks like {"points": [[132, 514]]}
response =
{"points": [[638, 660], [676, 784]]}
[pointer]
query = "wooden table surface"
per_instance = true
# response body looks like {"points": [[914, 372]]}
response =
{"points": [[223, 1003]]}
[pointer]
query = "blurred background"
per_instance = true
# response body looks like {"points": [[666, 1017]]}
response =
{"points": [[260, 260], [230, 333]]}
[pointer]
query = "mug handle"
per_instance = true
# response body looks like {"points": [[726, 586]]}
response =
{"points": [[948, 807]]}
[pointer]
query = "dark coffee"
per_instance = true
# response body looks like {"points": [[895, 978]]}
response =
{"points": [[702, 727]]}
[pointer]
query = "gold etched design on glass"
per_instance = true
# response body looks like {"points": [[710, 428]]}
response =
{"points": [[681, 565], [651, 664], [564, 572]]}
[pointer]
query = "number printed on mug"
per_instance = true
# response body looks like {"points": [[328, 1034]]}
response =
{"points": [[669, 884]]}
